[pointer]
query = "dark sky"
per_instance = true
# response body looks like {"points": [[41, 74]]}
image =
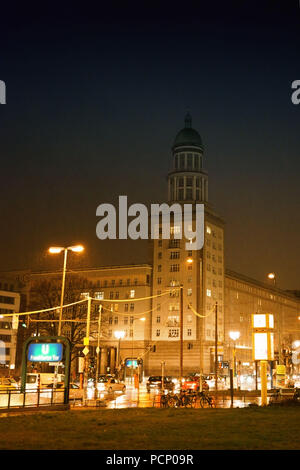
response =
{"points": [[95, 97]]}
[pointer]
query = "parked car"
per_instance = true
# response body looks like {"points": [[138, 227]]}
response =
{"points": [[210, 379], [75, 391], [110, 384], [42, 380], [193, 383], [155, 381], [8, 383]]}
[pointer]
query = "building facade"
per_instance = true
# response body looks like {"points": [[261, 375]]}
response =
{"points": [[215, 301], [9, 304]]}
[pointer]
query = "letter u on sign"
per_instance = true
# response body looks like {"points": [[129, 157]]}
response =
{"points": [[45, 349]]}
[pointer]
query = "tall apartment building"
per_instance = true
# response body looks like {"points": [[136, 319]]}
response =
{"points": [[199, 272]]}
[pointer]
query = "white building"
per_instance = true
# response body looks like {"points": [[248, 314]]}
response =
{"points": [[9, 304]]}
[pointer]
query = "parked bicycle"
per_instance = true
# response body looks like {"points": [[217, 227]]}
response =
{"points": [[204, 400]]}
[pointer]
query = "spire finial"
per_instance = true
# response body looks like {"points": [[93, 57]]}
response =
{"points": [[188, 120]]}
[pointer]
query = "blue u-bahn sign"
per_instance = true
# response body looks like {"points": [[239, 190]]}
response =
{"points": [[45, 352]]}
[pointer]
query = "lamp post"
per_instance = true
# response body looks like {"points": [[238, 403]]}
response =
{"points": [[272, 277], [119, 335], [234, 335], [56, 250], [141, 319]]}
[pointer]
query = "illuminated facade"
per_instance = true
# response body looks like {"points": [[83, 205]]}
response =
{"points": [[205, 284]]}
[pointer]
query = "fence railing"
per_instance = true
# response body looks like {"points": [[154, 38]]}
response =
{"points": [[36, 398]]}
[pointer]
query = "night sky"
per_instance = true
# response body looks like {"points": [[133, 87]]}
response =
{"points": [[95, 97]]}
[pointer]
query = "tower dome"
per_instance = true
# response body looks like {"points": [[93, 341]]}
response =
{"points": [[188, 135]]}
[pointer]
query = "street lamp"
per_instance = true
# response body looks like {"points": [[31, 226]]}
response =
{"points": [[119, 335], [56, 250], [272, 277], [141, 319], [234, 335]]}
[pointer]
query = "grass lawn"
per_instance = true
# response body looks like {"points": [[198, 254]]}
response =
{"points": [[148, 428]]}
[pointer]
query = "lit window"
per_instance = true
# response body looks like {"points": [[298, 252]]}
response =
{"points": [[99, 295], [208, 292], [208, 229], [189, 292], [132, 293]]}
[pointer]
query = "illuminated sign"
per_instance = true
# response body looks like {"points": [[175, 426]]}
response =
{"points": [[263, 337], [45, 352], [131, 363]]}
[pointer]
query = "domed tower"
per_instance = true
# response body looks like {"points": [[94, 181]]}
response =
{"points": [[188, 182]]}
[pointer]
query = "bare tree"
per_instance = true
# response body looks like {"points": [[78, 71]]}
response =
{"points": [[46, 294]]}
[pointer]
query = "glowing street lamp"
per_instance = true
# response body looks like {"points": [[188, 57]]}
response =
{"points": [[272, 277], [56, 250]]}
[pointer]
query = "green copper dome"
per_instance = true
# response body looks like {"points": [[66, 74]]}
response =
{"points": [[188, 135]]}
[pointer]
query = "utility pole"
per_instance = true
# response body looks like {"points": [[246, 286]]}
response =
{"points": [[98, 350], [181, 335], [163, 376], [216, 347], [86, 343]]}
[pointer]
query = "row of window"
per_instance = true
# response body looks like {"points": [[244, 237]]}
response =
{"points": [[5, 311], [214, 283], [209, 294], [115, 320], [121, 282], [7, 300], [213, 257], [112, 295], [116, 308], [188, 161], [174, 333], [5, 325], [213, 270], [214, 245], [5, 338], [6, 286], [175, 318]]}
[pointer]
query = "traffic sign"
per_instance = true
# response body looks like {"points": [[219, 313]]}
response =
{"points": [[85, 351], [97, 349]]}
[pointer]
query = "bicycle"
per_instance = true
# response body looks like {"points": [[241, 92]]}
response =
{"points": [[204, 400]]}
